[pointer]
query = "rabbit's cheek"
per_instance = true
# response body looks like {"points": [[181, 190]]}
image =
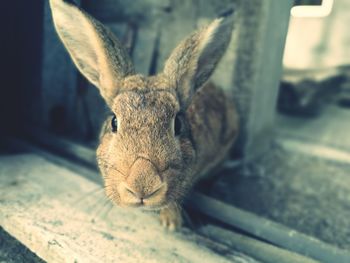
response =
{"points": [[111, 190], [187, 151], [177, 181]]}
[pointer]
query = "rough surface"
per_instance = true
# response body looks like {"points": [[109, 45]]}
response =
{"points": [[330, 128], [65, 218], [305, 193], [301, 186]]}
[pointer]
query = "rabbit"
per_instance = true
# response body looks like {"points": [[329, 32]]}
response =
{"points": [[165, 132]]}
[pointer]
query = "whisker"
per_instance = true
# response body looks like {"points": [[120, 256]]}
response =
{"points": [[87, 195], [109, 209], [95, 204], [99, 211]]}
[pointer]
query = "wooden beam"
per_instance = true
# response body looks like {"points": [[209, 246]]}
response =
{"points": [[270, 231], [63, 217], [260, 250], [264, 229]]}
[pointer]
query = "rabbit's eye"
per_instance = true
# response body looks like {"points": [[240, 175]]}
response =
{"points": [[178, 125], [114, 124]]}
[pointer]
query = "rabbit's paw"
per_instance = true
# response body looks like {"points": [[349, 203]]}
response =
{"points": [[170, 217]]}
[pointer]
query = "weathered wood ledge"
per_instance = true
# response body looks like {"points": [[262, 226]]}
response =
{"points": [[62, 217]]}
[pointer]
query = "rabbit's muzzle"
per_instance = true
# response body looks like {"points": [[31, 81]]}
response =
{"points": [[143, 186]]}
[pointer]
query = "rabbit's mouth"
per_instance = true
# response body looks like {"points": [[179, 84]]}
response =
{"points": [[150, 200], [145, 207]]}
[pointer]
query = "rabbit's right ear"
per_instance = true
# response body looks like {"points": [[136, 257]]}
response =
{"points": [[193, 61], [96, 52]]}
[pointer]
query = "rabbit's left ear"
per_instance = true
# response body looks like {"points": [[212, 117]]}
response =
{"points": [[96, 52], [192, 62]]}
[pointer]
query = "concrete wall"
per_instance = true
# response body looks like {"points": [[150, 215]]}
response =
{"points": [[260, 42]]}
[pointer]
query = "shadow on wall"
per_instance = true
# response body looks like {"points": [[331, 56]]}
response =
{"points": [[21, 41]]}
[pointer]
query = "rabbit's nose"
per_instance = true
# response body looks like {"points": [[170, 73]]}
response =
{"points": [[144, 182], [142, 195]]}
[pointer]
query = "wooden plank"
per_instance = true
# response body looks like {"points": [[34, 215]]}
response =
{"points": [[257, 249], [18, 145], [265, 229], [62, 218], [75, 152], [314, 149]]}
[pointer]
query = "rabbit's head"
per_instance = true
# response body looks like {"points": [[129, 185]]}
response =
{"points": [[147, 155]]}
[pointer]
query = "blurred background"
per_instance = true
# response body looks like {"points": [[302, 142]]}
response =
{"points": [[288, 69]]}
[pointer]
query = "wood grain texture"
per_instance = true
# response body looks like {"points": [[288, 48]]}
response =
{"points": [[63, 217]]}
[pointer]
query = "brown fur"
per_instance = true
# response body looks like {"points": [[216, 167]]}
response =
{"points": [[143, 162]]}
